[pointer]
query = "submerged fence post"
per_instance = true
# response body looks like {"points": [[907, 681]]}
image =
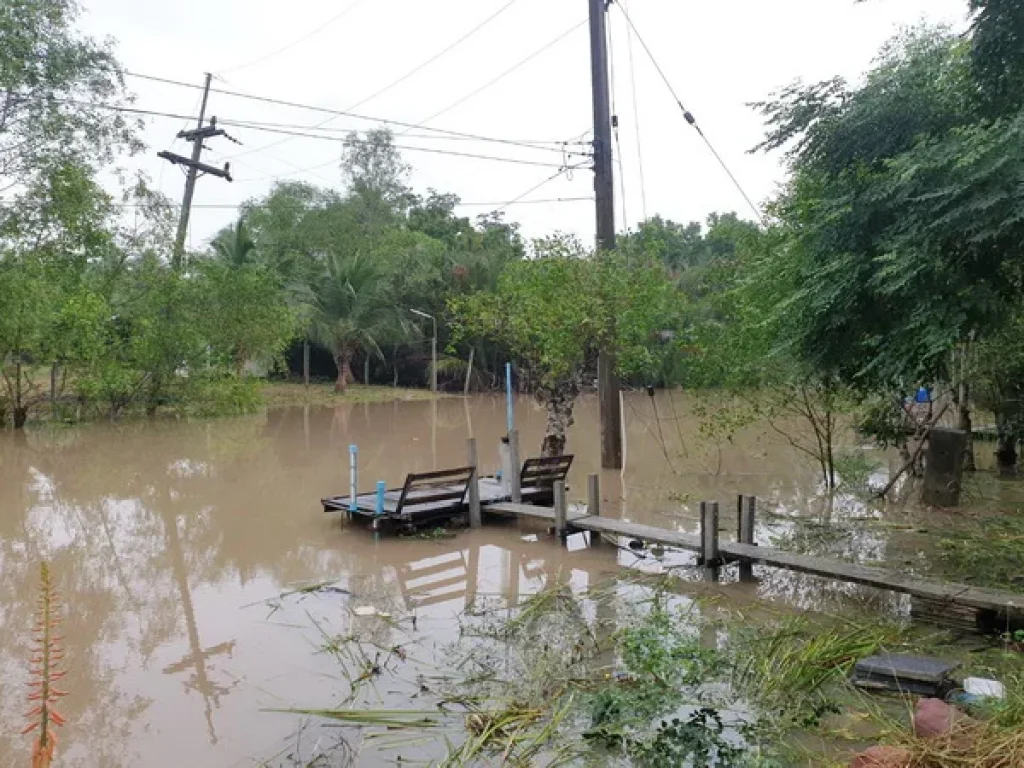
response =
{"points": [[353, 477], [561, 510], [381, 487], [509, 412], [746, 510], [594, 504], [709, 539], [475, 516], [514, 479]]}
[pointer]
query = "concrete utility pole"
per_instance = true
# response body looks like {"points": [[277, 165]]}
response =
{"points": [[197, 137], [604, 187]]}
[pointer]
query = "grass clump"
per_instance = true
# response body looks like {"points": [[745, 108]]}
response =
{"points": [[990, 555]]}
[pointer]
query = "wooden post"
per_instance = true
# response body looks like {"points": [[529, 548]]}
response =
{"points": [[709, 538], [594, 504], [305, 362], [469, 370], [475, 516], [561, 510], [514, 478], [746, 511]]}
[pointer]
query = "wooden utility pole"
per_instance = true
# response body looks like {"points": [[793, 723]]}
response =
{"points": [[604, 187], [197, 137]]}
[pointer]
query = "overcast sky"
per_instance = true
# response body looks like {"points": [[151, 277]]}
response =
{"points": [[718, 54]]}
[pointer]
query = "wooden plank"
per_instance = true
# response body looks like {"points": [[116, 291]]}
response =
{"points": [[461, 472], [636, 531], [962, 594], [521, 510]]}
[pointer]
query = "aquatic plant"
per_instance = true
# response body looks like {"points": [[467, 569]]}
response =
{"points": [[45, 661]]}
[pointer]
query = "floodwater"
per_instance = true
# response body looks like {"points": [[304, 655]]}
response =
{"points": [[170, 544]]}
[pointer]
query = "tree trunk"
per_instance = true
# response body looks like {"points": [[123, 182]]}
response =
{"points": [[964, 408], [20, 411], [305, 362], [559, 401], [343, 360], [1006, 451]]}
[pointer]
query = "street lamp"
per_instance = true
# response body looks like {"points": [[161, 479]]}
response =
{"points": [[433, 348]]}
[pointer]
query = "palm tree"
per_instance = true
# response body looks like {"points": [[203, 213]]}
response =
{"points": [[348, 311], [234, 246]]}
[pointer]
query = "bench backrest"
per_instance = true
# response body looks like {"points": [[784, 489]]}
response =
{"points": [[444, 486], [543, 472]]}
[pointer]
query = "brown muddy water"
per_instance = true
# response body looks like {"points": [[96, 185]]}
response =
{"points": [[170, 544]]}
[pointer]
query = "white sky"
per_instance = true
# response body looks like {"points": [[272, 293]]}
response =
{"points": [[719, 55]]}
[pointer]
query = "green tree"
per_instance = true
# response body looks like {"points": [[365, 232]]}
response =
{"points": [[248, 317], [51, 82], [349, 311], [555, 311], [234, 246]]}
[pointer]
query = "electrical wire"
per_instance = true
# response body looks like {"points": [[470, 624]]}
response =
{"points": [[531, 190], [339, 113], [636, 115], [351, 7], [688, 116], [408, 75], [448, 49], [615, 125], [234, 206], [339, 140], [518, 65]]}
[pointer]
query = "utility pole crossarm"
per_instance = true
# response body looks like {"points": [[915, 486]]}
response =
{"points": [[224, 173]]}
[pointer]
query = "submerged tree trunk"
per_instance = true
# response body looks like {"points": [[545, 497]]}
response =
{"points": [[559, 401], [19, 410]]}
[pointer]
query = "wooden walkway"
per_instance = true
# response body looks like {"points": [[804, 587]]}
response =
{"points": [[994, 603]]}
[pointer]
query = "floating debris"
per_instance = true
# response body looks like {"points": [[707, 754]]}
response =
{"points": [[919, 675]]}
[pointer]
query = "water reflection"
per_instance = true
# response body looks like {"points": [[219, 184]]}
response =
{"points": [[160, 534]]}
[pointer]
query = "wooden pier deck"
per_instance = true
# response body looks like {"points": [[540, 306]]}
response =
{"points": [[996, 605]]}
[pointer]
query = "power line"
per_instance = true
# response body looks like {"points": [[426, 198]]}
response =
{"points": [[688, 116], [448, 49], [561, 171], [518, 65], [615, 125], [235, 206], [351, 7], [337, 112], [339, 140], [406, 76], [636, 116]]}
